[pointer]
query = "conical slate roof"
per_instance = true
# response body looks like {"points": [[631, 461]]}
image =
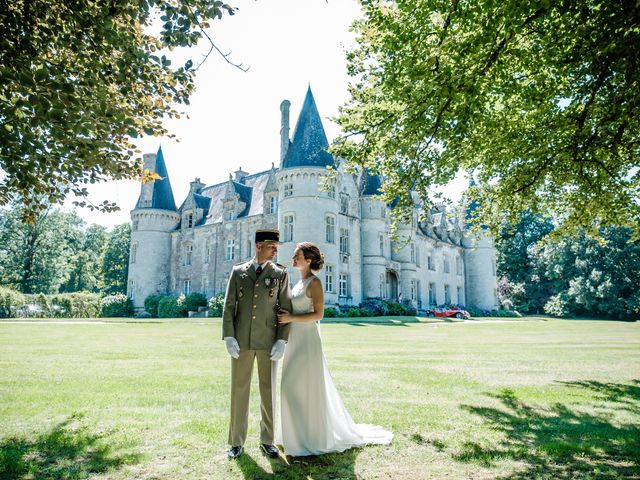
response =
{"points": [[370, 184], [472, 204], [162, 193], [309, 146]]}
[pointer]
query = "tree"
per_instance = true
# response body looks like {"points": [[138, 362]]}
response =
{"points": [[36, 257], [86, 261], [517, 247], [537, 100], [115, 263], [593, 276], [78, 80]]}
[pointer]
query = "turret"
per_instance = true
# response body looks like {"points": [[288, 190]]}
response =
{"points": [[153, 220], [480, 262], [300, 181], [480, 271], [376, 247]]}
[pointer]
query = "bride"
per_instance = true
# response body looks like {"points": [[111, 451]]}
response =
{"points": [[313, 418]]}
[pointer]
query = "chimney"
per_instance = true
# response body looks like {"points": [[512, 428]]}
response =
{"points": [[284, 129], [239, 175], [196, 186], [146, 190]]}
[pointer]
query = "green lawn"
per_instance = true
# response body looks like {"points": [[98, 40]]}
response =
{"points": [[149, 400]]}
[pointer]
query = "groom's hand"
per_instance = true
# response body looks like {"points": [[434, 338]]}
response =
{"points": [[232, 347], [277, 351]]}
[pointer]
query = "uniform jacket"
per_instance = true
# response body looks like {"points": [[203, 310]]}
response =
{"points": [[249, 312]]}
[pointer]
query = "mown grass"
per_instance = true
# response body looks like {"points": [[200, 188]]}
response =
{"points": [[149, 399]]}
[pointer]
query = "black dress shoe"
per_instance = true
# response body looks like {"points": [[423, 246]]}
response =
{"points": [[270, 450], [234, 452]]}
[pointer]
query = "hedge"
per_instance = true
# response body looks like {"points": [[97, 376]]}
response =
{"points": [[118, 305], [151, 304], [10, 302], [171, 307]]}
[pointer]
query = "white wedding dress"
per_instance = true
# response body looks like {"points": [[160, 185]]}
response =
{"points": [[313, 418]]}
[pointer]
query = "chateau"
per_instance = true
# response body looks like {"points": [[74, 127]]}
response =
{"points": [[192, 248]]}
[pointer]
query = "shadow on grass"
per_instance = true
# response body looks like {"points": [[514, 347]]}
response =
{"points": [[331, 466], [362, 321], [627, 395], [68, 451], [559, 442]]}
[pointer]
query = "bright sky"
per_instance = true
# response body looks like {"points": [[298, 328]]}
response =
{"points": [[234, 117]]}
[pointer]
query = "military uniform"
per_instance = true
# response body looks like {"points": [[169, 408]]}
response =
{"points": [[250, 317]]}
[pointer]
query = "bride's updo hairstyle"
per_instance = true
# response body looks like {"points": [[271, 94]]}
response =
{"points": [[312, 252]]}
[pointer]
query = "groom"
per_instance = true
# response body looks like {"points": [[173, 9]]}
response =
{"points": [[251, 332]]}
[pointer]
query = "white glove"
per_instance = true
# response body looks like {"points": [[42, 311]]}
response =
{"points": [[277, 351], [232, 347]]}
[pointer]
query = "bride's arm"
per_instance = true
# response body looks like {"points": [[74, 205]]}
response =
{"points": [[317, 299]]}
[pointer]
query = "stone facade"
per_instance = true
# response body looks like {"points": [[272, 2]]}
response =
{"points": [[193, 247]]}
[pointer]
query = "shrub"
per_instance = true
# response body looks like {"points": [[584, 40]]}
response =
{"points": [[331, 312], [354, 312], [171, 307], [10, 302], [118, 305], [193, 301], [216, 305], [68, 305], [393, 308], [478, 312], [397, 308], [558, 306], [151, 304], [375, 307]]}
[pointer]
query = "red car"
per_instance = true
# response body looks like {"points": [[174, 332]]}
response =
{"points": [[448, 312]]}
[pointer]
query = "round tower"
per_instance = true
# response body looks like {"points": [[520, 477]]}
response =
{"points": [[480, 271], [153, 220], [376, 247], [479, 259], [300, 180], [298, 189]]}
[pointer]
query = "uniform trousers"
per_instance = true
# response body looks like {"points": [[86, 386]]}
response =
{"points": [[241, 374]]}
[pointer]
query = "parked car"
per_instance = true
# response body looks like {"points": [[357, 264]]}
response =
{"points": [[448, 312]]}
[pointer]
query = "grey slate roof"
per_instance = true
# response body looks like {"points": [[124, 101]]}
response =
{"points": [[370, 184], [202, 201], [309, 146], [245, 196], [251, 192], [162, 193]]}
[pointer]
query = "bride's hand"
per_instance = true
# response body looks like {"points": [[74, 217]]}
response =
{"points": [[284, 317]]}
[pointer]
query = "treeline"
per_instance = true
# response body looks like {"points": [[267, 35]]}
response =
{"points": [[541, 272], [59, 253]]}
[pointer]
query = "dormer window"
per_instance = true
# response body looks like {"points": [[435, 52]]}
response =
{"points": [[229, 209], [273, 204], [288, 189], [189, 220]]}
